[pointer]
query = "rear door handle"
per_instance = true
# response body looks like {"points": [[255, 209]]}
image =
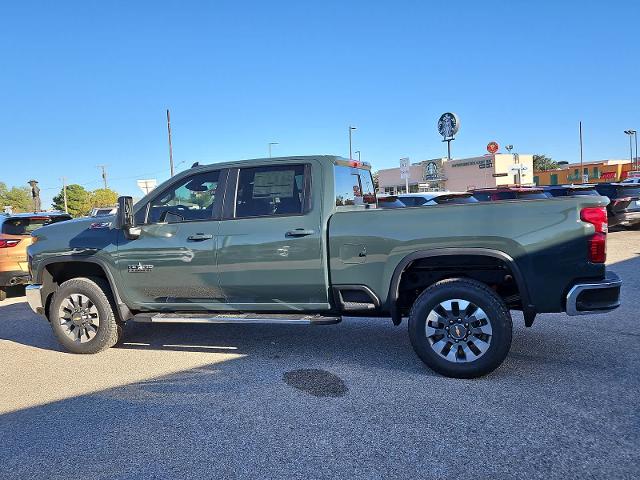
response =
{"points": [[199, 237], [299, 232]]}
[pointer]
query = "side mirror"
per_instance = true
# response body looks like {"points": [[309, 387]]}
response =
{"points": [[124, 218]]}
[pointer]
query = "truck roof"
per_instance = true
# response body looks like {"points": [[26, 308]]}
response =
{"points": [[334, 159]]}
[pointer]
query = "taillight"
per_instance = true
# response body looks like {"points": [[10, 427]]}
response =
{"points": [[596, 216], [8, 243]]}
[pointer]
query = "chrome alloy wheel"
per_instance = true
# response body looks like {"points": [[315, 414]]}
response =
{"points": [[458, 330], [79, 318]]}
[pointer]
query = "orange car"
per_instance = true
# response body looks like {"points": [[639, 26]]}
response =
{"points": [[15, 237]]}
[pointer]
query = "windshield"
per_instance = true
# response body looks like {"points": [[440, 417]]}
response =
{"points": [[532, 195], [26, 225], [354, 186], [455, 199]]}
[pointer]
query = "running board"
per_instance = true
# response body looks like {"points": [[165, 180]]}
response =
{"points": [[249, 318]]}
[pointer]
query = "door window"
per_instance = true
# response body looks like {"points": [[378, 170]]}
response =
{"points": [[271, 191], [190, 200]]}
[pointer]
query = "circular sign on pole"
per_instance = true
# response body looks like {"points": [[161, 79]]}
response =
{"points": [[493, 147], [448, 124]]}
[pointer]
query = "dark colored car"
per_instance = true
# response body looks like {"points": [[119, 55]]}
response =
{"points": [[624, 206], [436, 198], [509, 193], [570, 190], [389, 201]]}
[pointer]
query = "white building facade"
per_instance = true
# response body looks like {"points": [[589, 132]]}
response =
{"points": [[460, 174]]}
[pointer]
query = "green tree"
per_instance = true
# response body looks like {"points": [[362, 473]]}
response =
{"points": [[19, 198], [542, 163], [103, 197], [376, 181], [78, 200]]}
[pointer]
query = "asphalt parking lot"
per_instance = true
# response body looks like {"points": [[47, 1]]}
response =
{"points": [[344, 401]]}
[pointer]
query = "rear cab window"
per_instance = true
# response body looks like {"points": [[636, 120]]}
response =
{"points": [[26, 225], [354, 186]]}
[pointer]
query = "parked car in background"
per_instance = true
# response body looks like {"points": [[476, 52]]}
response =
{"points": [[15, 237], [389, 201], [509, 193], [103, 211], [570, 190], [624, 205], [436, 198], [631, 180]]}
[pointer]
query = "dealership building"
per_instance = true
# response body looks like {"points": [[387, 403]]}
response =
{"points": [[460, 174]]}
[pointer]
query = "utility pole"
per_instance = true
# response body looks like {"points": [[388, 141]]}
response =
{"points": [[104, 175], [64, 193], [351, 129], [270, 145], [170, 147]]}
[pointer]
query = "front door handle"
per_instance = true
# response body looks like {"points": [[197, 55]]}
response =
{"points": [[199, 237], [299, 232]]}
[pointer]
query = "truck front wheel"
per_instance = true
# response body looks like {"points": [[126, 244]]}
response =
{"points": [[460, 328], [82, 315]]}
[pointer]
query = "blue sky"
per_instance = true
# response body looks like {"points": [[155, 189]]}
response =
{"points": [[87, 83]]}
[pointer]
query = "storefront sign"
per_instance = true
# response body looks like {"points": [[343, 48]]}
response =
{"points": [[482, 163], [448, 125]]}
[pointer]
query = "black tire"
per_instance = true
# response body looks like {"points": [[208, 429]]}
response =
{"points": [[98, 292], [3, 294], [497, 315]]}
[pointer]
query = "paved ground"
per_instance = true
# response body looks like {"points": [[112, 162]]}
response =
{"points": [[343, 401]]}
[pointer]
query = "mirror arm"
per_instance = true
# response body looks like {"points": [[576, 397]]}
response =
{"points": [[132, 233]]}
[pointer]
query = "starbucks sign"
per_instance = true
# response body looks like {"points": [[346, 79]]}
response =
{"points": [[448, 125]]}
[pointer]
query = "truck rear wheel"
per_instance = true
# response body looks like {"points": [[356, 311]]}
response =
{"points": [[460, 328], [82, 315]]}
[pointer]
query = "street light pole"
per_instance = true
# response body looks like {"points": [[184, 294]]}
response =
{"points": [[270, 145], [358, 153], [631, 133], [351, 129], [636, 137]]}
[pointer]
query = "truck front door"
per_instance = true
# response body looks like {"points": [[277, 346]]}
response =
{"points": [[172, 264], [271, 253]]}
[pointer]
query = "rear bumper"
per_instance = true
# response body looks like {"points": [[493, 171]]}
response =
{"points": [[14, 277], [594, 297], [34, 297]]}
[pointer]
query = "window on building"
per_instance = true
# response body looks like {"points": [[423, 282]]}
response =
{"points": [[554, 179], [596, 172], [536, 180]]}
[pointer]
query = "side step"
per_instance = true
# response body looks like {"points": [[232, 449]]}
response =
{"points": [[289, 319]]}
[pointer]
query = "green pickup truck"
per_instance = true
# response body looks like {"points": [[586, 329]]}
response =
{"points": [[301, 240]]}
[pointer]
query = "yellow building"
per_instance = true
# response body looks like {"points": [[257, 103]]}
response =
{"points": [[596, 172]]}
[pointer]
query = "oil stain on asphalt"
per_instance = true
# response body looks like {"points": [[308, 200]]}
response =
{"points": [[318, 383]]}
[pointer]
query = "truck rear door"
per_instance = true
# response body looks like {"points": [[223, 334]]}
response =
{"points": [[270, 252]]}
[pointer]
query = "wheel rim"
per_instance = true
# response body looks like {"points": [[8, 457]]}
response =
{"points": [[458, 330], [79, 318]]}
